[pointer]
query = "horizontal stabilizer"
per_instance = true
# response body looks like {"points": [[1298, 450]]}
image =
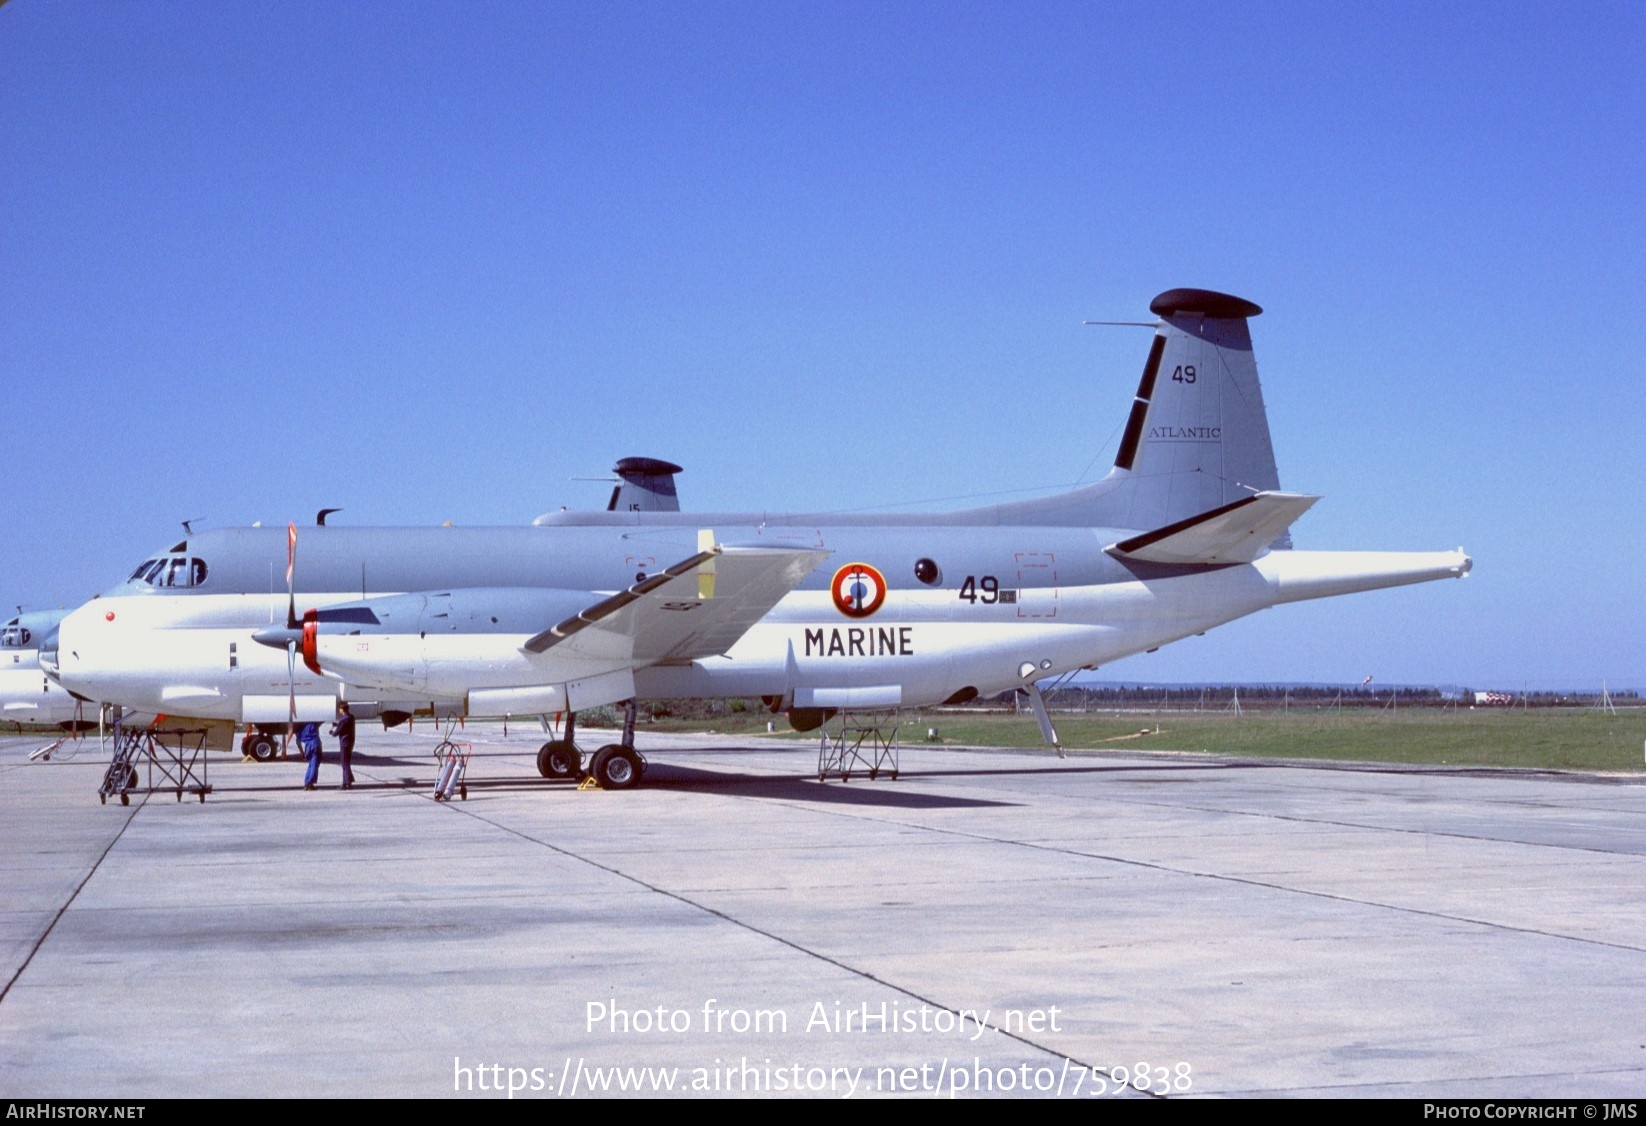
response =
{"points": [[697, 608], [1235, 533]]}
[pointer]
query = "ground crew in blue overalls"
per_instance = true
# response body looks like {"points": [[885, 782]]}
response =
{"points": [[308, 737]]}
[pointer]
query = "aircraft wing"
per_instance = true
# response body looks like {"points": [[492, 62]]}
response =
{"points": [[697, 608], [1234, 533]]}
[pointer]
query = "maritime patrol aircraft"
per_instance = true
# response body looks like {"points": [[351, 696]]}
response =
{"points": [[815, 614], [27, 694]]}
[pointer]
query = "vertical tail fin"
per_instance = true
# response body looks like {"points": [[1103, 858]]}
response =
{"points": [[1198, 436], [645, 484]]}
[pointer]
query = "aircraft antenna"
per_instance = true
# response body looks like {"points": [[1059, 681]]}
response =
{"points": [[1084, 473]]}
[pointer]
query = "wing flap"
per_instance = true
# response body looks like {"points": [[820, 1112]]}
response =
{"points": [[1233, 533], [697, 608], [607, 607]]}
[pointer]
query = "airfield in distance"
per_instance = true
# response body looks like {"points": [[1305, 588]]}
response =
{"points": [[993, 922]]}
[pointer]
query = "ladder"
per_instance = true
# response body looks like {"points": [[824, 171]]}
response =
{"points": [[121, 776]]}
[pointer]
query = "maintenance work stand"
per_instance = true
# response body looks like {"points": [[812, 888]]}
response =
{"points": [[843, 751], [173, 759]]}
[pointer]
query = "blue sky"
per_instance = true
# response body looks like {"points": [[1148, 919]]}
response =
{"points": [[429, 262]]}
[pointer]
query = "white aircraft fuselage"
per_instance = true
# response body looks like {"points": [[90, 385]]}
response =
{"points": [[1011, 606]]}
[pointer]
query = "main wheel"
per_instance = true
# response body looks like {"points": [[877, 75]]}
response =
{"points": [[559, 759], [616, 767], [259, 746]]}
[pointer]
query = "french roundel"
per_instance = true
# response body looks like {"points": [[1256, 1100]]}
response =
{"points": [[858, 590]]}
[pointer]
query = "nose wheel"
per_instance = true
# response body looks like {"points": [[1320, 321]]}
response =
{"points": [[260, 746]]}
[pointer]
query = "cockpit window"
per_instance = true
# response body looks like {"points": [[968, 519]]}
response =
{"points": [[14, 636], [170, 572]]}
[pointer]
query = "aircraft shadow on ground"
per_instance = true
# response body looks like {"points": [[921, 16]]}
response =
{"points": [[884, 793], [860, 791], [1046, 765], [371, 760]]}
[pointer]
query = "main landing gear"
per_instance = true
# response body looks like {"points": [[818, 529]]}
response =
{"points": [[616, 766]]}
